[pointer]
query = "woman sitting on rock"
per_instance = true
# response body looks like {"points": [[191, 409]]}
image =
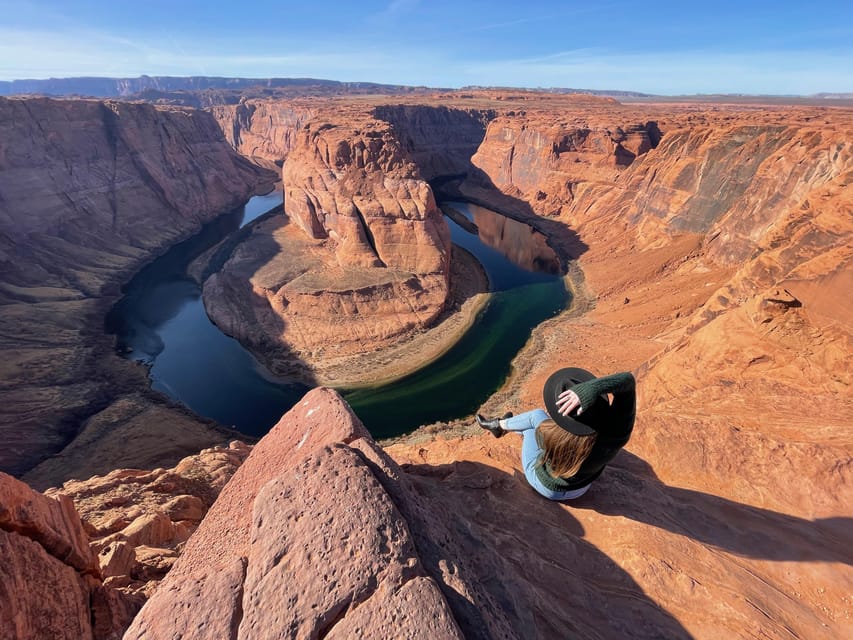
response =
{"points": [[563, 453]]}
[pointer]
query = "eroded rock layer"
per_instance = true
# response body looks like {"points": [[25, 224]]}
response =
{"points": [[89, 191], [80, 561], [319, 500], [360, 261]]}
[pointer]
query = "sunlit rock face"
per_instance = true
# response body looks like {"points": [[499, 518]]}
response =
{"points": [[548, 164], [359, 189], [262, 129], [51, 584], [360, 261], [89, 191], [319, 533], [718, 263]]}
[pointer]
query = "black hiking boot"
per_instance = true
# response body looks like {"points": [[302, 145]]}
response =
{"points": [[494, 425]]}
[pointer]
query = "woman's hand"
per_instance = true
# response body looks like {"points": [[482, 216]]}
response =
{"points": [[567, 402]]}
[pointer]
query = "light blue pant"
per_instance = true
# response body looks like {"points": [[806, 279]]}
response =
{"points": [[526, 424]]}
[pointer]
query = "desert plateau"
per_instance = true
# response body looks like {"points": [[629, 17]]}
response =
{"points": [[246, 326]]}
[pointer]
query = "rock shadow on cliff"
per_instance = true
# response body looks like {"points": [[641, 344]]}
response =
{"points": [[530, 556], [741, 529], [243, 309]]}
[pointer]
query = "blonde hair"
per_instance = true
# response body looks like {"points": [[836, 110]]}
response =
{"points": [[565, 452]]}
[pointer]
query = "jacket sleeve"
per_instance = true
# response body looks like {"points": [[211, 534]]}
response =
{"points": [[624, 406]]}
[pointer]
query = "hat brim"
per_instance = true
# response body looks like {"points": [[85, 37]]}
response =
{"points": [[563, 380]]}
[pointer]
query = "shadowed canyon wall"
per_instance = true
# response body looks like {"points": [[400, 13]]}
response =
{"points": [[439, 139], [89, 191], [264, 130]]}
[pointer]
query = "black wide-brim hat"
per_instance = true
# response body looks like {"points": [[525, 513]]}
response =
{"points": [[580, 425]]}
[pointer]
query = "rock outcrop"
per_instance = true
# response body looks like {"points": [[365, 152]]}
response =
{"points": [[318, 500], [50, 586], [138, 521], [80, 561], [362, 241]]}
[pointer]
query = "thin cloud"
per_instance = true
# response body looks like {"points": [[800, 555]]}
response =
{"points": [[394, 10]]}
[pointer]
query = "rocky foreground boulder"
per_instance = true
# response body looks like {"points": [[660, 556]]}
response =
{"points": [[319, 534], [50, 584], [79, 561]]}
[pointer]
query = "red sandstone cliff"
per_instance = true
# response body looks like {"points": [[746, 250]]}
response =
{"points": [[716, 264], [264, 130], [362, 241], [89, 191]]}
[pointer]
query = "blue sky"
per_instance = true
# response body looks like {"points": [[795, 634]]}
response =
{"points": [[657, 47]]}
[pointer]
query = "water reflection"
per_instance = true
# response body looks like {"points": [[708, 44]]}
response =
{"points": [[518, 242], [513, 253]]}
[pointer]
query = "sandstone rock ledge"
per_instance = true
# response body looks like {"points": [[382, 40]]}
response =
{"points": [[78, 562], [319, 534]]}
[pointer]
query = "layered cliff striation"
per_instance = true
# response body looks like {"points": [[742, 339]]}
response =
{"points": [[262, 129], [90, 191], [362, 239]]}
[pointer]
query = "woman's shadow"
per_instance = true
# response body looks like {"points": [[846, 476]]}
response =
{"points": [[531, 556], [741, 529]]}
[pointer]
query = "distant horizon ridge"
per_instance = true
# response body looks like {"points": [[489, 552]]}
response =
{"points": [[112, 86]]}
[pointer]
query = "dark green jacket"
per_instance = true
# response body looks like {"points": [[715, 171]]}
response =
{"points": [[612, 433]]}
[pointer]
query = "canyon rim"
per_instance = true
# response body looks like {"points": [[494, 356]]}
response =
{"points": [[708, 247]]}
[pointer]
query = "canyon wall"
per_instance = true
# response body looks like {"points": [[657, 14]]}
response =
{"points": [[439, 139], [757, 205], [90, 191], [716, 267], [548, 164], [715, 245], [264, 130]]}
